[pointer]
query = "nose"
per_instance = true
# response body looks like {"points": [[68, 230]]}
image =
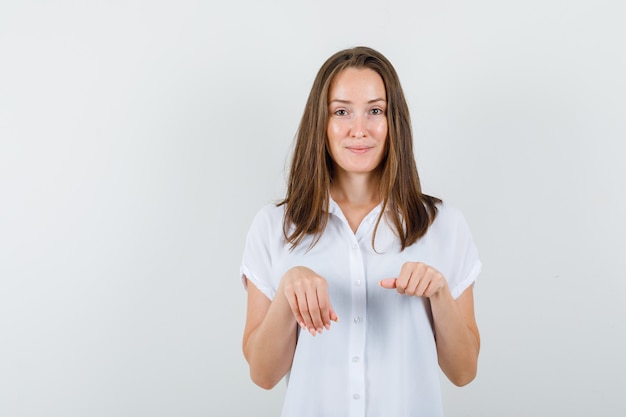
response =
{"points": [[358, 127]]}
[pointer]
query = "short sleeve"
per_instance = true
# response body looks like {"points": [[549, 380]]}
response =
{"points": [[256, 264], [463, 258]]}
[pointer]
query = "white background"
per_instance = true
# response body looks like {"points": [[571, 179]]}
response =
{"points": [[139, 138]]}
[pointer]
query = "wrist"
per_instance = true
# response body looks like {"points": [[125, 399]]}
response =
{"points": [[443, 293]]}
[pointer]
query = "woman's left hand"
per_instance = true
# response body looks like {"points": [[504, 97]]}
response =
{"points": [[416, 279], [454, 325]]}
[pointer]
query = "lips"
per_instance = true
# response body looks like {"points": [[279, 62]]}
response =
{"points": [[358, 149]]}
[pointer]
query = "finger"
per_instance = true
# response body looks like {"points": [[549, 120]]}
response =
{"points": [[403, 278], [333, 315], [325, 308], [421, 279], [295, 308], [434, 287], [414, 282], [318, 308], [389, 283], [431, 281], [422, 286], [430, 290], [303, 307], [319, 312], [313, 313]]}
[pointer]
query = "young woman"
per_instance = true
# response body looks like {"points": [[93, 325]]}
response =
{"points": [[359, 285]]}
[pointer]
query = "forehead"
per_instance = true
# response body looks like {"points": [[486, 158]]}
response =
{"points": [[357, 82]]}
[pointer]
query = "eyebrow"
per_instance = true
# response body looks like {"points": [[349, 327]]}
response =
{"points": [[337, 100]]}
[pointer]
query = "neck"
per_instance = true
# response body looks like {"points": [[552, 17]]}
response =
{"points": [[356, 189]]}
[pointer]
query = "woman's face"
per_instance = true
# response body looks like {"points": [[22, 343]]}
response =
{"points": [[357, 122]]}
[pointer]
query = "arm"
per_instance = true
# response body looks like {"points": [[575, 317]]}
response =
{"points": [[269, 340], [456, 332]]}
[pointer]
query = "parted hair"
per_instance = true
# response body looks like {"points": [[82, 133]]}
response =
{"points": [[408, 210]]}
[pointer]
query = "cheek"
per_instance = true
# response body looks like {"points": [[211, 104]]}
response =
{"points": [[331, 138], [334, 134], [381, 130], [333, 129]]}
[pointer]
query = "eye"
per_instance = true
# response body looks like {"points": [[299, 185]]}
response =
{"points": [[377, 111], [340, 112]]}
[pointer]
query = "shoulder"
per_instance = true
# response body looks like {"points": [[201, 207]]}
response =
{"points": [[267, 222], [270, 213], [263, 242], [448, 213], [450, 224]]}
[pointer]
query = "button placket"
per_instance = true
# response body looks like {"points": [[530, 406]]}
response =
{"points": [[357, 330]]}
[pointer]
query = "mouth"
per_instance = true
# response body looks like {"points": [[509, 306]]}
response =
{"points": [[358, 149]]}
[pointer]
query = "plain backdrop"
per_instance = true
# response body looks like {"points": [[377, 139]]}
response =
{"points": [[139, 138]]}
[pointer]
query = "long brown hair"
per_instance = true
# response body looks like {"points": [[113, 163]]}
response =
{"points": [[306, 204]]}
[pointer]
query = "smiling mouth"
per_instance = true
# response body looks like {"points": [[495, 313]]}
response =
{"points": [[358, 149]]}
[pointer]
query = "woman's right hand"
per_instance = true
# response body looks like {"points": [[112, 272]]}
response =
{"points": [[307, 294]]}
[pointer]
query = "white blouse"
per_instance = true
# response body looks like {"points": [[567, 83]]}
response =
{"points": [[380, 358]]}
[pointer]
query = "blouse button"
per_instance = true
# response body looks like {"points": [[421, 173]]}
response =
{"points": [[357, 320], [356, 396], [357, 282], [355, 359]]}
